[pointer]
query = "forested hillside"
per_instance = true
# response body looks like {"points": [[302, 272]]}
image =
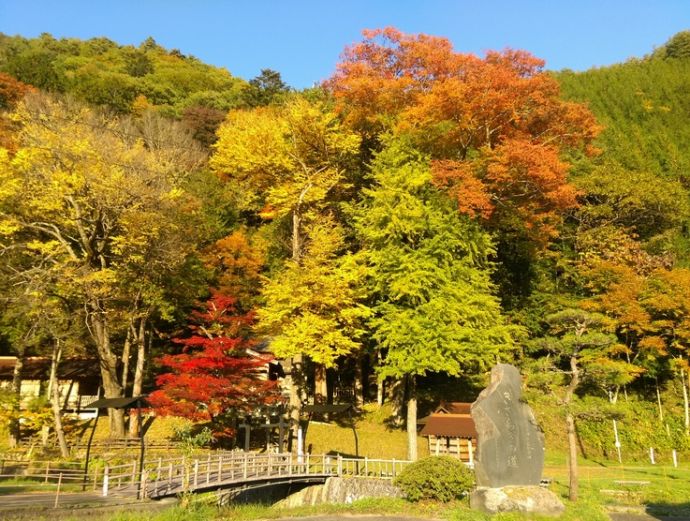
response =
{"points": [[425, 212], [643, 105]]}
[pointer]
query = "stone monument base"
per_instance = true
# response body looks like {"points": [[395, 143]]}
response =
{"points": [[525, 499]]}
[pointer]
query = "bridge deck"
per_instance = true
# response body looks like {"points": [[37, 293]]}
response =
{"points": [[161, 478]]}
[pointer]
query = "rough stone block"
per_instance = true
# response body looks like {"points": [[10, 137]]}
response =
{"points": [[510, 444], [527, 500]]}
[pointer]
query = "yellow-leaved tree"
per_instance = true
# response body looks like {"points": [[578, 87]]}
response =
{"points": [[289, 164], [99, 208]]}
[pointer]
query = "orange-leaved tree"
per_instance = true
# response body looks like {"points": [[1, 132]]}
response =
{"points": [[495, 126]]}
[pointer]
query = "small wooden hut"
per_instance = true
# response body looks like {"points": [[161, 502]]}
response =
{"points": [[450, 431]]}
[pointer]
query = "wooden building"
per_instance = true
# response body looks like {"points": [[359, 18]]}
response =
{"points": [[78, 378], [450, 431]]}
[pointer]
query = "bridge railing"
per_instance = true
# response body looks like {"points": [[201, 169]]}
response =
{"points": [[160, 477]]}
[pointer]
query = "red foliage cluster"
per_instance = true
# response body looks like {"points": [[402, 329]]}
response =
{"points": [[216, 377]]}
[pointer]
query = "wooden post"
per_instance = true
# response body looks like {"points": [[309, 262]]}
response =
{"points": [[470, 452], [196, 473], [307, 465], [106, 477], [438, 445], [208, 469], [158, 470], [220, 467], [57, 492], [393, 467], [134, 472], [281, 435], [170, 473], [300, 444], [47, 470], [268, 433], [674, 454], [617, 442], [366, 465], [144, 475], [340, 465], [246, 463]]}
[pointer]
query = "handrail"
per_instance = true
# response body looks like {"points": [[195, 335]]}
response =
{"points": [[174, 475], [169, 476]]}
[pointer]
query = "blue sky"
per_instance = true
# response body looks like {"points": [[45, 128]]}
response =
{"points": [[304, 38]]}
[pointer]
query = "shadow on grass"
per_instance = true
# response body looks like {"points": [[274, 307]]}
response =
{"points": [[669, 511]]}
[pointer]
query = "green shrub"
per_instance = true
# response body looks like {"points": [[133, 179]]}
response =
{"points": [[441, 478]]}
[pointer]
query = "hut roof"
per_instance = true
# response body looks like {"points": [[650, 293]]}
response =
{"points": [[38, 368], [454, 408], [450, 425]]}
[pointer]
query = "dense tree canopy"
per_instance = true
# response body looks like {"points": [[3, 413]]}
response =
{"points": [[424, 211]]}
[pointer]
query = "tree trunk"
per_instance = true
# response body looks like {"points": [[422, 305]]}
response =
{"points": [[572, 456], [411, 418], [380, 391], [320, 387], [359, 377], [55, 399], [108, 363], [296, 380], [14, 427], [125, 358], [570, 426], [686, 406], [381, 382], [296, 237], [397, 397], [138, 383]]}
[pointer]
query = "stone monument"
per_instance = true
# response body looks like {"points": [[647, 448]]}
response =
{"points": [[510, 450]]}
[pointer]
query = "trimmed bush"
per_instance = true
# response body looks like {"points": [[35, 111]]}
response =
{"points": [[440, 478]]}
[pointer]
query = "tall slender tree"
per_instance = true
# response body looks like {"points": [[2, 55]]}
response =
{"points": [[433, 304]]}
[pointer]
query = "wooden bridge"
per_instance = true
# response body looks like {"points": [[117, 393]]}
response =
{"points": [[227, 470]]}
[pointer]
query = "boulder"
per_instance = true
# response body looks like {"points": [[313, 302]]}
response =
{"points": [[528, 500]]}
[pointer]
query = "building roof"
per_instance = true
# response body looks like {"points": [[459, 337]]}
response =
{"points": [[451, 425], [38, 368], [454, 408]]}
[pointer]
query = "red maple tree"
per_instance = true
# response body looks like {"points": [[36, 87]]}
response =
{"points": [[217, 377]]}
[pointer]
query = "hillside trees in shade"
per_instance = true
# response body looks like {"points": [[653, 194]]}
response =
{"points": [[98, 205], [214, 379], [433, 305], [495, 128]]}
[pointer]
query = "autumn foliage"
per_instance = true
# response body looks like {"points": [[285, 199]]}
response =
{"points": [[495, 126], [214, 379], [11, 92]]}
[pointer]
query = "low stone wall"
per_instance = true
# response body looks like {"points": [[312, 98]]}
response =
{"points": [[341, 490]]}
